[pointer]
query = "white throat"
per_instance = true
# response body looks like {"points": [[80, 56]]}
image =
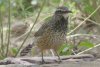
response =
{"points": [[65, 15]]}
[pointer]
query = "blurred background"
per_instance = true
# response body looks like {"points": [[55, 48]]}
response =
{"points": [[17, 18]]}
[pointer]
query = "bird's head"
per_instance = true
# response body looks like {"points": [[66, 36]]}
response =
{"points": [[62, 10]]}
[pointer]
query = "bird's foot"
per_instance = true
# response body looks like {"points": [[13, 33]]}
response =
{"points": [[59, 61], [42, 62]]}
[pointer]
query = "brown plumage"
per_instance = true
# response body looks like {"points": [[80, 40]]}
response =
{"points": [[52, 34]]}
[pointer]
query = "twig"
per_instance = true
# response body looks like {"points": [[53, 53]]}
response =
{"points": [[1, 34], [89, 20], [31, 28], [85, 35], [9, 20], [84, 20], [88, 49], [61, 3]]}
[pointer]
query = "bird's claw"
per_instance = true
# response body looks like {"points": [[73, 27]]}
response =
{"points": [[42, 62]]}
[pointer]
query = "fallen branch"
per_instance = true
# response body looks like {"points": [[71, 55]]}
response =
{"points": [[48, 60]]}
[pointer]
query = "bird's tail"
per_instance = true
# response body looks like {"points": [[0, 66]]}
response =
{"points": [[26, 50]]}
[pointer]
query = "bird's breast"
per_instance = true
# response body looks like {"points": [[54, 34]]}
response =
{"points": [[51, 40]]}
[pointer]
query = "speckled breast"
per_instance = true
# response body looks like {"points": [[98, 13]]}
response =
{"points": [[51, 40]]}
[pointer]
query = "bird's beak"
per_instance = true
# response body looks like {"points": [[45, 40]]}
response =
{"points": [[68, 11]]}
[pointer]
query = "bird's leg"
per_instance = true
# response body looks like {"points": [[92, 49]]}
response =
{"points": [[42, 58], [59, 60]]}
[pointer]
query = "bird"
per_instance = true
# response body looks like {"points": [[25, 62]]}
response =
{"points": [[52, 34]]}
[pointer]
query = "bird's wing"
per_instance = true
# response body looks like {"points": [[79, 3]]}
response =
{"points": [[44, 27], [41, 29]]}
